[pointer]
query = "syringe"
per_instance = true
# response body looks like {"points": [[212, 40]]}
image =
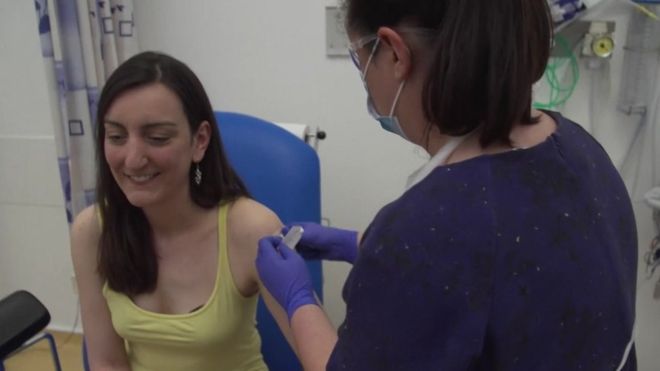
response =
{"points": [[293, 236]]}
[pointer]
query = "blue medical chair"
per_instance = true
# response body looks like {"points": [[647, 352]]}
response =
{"points": [[22, 320], [282, 172]]}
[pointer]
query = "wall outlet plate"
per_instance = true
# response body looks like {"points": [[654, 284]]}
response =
{"points": [[599, 40], [336, 40]]}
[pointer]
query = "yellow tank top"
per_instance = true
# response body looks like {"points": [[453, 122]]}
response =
{"points": [[219, 336]]}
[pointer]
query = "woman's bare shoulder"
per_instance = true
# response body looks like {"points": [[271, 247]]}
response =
{"points": [[85, 234], [87, 221], [251, 220]]}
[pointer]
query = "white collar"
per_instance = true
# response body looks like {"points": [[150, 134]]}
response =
{"points": [[440, 158]]}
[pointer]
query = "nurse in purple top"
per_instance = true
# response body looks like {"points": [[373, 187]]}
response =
{"points": [[514, 248]]}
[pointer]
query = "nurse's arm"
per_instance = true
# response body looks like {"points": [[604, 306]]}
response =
{"points": [[314, 335]]}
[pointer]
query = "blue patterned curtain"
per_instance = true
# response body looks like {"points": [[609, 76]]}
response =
{"points": [[82, 42]]}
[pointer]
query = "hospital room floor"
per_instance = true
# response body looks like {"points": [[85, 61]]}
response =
{"points": [[38, 358]]}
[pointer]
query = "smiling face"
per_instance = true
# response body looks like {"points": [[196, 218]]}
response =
{"points": [[149, 147]]}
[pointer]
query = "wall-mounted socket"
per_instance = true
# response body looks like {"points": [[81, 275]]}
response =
{"points": [[335, 35]]}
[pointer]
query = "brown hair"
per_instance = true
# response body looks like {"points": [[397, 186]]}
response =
{"points": [[486, 56]]}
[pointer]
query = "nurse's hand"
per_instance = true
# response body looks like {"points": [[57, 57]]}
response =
{"points": [[284, 273], [319, 242]]}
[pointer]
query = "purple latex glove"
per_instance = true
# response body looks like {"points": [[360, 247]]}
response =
{"points": [[327, 243], [285, 275]]}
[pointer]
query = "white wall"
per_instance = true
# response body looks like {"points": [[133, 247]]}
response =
{"points": [[34, 241], [260, 57]]}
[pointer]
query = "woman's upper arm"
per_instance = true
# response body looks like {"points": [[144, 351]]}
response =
{"points": [[254, 221], [104, 347]]}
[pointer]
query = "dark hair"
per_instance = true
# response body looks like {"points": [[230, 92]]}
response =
{"points": [[486, 56], [127, 259]]}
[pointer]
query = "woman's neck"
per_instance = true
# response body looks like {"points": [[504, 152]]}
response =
{"points": [[521, 136], [436, 141], [174, 217]]}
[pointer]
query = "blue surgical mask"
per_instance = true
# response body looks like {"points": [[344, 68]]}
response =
{"points": [[389, 122]]}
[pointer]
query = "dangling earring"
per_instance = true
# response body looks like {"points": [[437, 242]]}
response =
{"points": [[198, 174]]}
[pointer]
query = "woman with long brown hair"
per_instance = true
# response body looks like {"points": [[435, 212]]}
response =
{"points": [[165, 258]]}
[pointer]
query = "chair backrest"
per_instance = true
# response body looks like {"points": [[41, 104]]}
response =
{"points": [[282, 172]]}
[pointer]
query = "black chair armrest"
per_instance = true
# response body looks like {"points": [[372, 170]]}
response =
{"points": [[22, 316]]}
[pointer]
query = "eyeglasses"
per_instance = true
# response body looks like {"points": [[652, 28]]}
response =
{"points": [[359, 44], [366, 40]]}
